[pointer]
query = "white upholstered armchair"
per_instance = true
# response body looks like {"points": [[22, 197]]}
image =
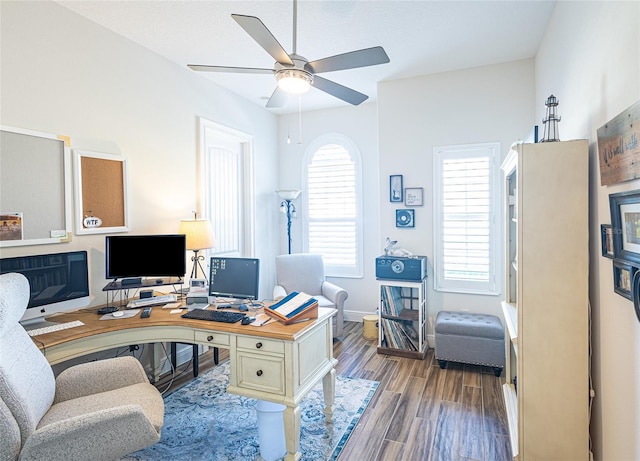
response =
{"points": [[99, 410], [305, 272]]}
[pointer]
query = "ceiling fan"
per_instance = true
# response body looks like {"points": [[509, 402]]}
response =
{"points": [[294, 73]]}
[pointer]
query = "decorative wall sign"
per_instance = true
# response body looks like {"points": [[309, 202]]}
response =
{"points": [[413, 196], [619, 147]]}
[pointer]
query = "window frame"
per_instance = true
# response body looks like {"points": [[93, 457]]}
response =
{"points": [[356, 271], [493, 286]]}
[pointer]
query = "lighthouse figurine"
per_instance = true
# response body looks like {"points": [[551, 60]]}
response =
{"points": [[551, 121]]}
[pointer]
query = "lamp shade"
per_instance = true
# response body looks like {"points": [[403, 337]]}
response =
{"points": [[198, 232], [288, 194]]}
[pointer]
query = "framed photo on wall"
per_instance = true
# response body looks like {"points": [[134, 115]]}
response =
{"points": [[606, 235], [625, 220], [395, 188], [406, 218], [622, 277]]}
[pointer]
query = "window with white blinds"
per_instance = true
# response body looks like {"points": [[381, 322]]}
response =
{"points": [[333, 209], [467, 234]]}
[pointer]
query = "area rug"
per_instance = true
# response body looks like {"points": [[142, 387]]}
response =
{"points": [[203, 422]]}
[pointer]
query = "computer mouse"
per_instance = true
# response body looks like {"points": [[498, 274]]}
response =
{"points": [[117, 314], [247, 320]]}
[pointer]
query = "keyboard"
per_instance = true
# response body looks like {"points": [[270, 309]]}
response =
{"points": [[214, 316], [153, 301], [56, 327]]}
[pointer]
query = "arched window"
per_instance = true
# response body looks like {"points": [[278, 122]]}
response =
{"points": [[333, 212]]}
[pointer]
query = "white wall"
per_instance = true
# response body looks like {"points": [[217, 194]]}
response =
{"points": [[360, 124], [63, 74], [484, 104], [590, 60]]}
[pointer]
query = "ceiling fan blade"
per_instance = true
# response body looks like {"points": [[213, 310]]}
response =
{"points": [[278, 98], [239, 70], [360, 58], [259, 32], [339, 91]]}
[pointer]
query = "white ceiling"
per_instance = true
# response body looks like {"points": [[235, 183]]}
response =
{"points": [[420, 36]]}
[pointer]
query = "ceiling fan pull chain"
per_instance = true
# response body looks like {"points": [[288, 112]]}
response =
{"points": [[300, 118]]}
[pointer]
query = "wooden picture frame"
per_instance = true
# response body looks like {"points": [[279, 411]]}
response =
{"points": [[606, 238], [395, 188], [100, 192], [623, 273], [413, 196], [625, 220]]}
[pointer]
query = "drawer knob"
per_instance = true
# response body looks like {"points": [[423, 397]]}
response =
{"points": [[258, 345], [259, 372], [209, 338]]}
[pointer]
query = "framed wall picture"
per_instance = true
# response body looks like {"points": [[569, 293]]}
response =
{"points": [[622, 277], [625, 220], [413, 196], [405, 218], [395, 188], [606, 235]]}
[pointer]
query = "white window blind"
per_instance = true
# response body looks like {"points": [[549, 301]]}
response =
{"points": [[466, 232], [333, 210]]}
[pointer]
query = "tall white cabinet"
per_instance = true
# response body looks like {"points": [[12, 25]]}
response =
{"points": [[546, 304]]}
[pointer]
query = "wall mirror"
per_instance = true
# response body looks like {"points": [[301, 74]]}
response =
{"points": [[100, 193], [35, 186]]}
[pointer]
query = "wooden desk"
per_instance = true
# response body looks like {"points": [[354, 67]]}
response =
{"points": [[275, 362]]}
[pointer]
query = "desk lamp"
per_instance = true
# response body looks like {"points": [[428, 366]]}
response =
{"points": [[199, 236], [287, 207]]}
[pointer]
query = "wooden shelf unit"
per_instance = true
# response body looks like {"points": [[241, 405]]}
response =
{"points": [[545, 309], [402, 318]]}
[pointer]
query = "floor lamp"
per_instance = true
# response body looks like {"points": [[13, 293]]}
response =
{"points": [[287, 207], [199, 236]]}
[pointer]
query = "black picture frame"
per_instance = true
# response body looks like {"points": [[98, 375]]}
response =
{"points": [[606, 239], [623, 273], [395, 188], [625, 220]]}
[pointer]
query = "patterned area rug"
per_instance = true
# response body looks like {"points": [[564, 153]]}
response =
{"points": [[203, 422]]}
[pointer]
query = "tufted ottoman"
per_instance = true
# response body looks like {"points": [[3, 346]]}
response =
{"points": [[470, 338]]}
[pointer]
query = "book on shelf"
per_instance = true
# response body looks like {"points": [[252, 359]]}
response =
{"points": [[295, 307]]}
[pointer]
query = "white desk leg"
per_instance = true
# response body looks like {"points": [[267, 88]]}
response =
{"points": [[292, 433], [329, 390]]}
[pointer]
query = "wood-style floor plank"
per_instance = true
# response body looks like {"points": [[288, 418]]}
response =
{"points": [[419, 412]]}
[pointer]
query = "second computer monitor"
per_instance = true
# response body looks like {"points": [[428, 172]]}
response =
{"points": [[236, 278]]}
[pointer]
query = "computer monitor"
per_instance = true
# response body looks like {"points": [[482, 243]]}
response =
{"points": [[58, 282], [236, 278], [145, 256]]}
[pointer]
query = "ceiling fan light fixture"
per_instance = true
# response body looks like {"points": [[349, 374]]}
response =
{"points": [[295, 81]]}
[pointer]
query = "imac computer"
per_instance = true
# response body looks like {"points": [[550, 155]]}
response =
{"points": [[234, 279], [58, 282]]}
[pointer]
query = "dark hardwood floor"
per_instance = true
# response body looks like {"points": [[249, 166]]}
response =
{"points": [[419, 411]]}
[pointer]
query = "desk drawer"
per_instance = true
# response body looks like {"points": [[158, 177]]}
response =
{"points": [[262, 372], [260, 344], [212, 338]]}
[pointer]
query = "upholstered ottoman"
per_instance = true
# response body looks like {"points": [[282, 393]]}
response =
{"points": [[470, 338]]}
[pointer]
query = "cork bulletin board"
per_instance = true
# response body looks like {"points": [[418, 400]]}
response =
{"points": [[101, 193]]}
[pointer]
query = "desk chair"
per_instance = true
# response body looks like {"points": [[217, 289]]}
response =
{"points": [[98, 410], [305, 272]]}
